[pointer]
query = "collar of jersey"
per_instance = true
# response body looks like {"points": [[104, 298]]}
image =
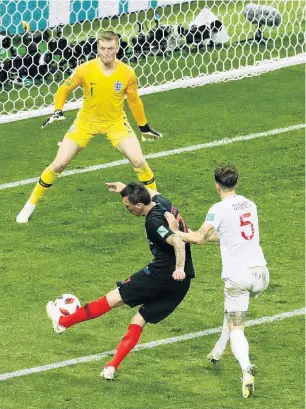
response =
{"points": [[227, 197]]}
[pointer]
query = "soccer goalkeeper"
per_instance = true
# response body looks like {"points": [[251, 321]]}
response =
{"points": [[105, 82]]}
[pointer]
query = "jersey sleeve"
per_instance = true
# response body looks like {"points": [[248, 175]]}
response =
{"points": [[213, 217], [134, 101], [158, 230], [70, 84]]}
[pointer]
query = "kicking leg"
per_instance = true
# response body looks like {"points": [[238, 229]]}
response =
{"points": [[89, 311]]}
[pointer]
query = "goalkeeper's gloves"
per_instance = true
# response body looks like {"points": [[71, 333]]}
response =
{"points": [[57, 116], [148, 134]]}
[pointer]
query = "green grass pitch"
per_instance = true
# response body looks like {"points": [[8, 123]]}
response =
{"points": [[82, 240]]}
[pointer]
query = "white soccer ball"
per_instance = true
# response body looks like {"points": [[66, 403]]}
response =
{"points": [[67, 304]]}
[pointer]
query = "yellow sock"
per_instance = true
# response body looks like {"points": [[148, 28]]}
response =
{"points": [[45, 181], [146, 176]]}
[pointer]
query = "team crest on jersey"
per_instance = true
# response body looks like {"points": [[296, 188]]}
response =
{"points": [[210, 217], [118, 86]]}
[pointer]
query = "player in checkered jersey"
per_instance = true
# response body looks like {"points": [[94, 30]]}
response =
{"points": [[234, 222], [158, 288]]}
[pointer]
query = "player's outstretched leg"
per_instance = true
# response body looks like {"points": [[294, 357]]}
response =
{"points": [[45, 182], [55, 315], [89, 311], [128, 342], [66, 152]]}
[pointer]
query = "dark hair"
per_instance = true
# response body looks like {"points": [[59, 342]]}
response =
{"points": [[226, 176], [136, 193]]}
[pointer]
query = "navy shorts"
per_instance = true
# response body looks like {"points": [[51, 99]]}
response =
{"points": [[158, 298]]}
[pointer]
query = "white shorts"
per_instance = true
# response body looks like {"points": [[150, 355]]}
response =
{"points": [[237, 292]]}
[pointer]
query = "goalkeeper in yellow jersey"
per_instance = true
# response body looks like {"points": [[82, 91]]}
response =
{"points": [[105, 82]]}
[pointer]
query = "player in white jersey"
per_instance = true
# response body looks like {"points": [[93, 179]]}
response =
{"points": [[233, 222]]}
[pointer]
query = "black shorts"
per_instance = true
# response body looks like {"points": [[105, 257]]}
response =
{"points": [[157, 298]]}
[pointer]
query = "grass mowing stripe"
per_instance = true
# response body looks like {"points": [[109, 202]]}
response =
{"points": [[221, 142], [148, 345]]}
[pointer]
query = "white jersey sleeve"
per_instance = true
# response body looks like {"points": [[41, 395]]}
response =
{"points": [[213, 217], [236, 223]]}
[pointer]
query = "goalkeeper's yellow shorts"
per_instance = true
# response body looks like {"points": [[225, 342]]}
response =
{"points": [[81, 132]]}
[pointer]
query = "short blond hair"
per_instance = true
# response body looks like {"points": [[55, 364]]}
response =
{"points": [[108, 36]]}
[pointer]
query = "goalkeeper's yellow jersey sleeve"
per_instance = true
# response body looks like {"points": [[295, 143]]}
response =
{"points": [[134, 102], [64, 90], [103, 95]]}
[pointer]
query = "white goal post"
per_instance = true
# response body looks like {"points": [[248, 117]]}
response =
{"points": [[170, 44]]}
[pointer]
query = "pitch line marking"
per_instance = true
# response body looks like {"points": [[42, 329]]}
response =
{"points": [[148, 345], [220, 142]]}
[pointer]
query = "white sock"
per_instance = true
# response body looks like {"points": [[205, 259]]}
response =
{"points": [[224, 337], [29, 206], [240, 348]]}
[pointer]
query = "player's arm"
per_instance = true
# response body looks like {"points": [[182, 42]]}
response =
{"points": [[117, 187], [180, 256], [69, 85], [158, 231], [136, 106], [205, 233], [214, 238]]}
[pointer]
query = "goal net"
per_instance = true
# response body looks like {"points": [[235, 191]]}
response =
{"points": [[170, 44]]}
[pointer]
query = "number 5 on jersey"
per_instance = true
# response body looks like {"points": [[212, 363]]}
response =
{"points": [[244, 222]]}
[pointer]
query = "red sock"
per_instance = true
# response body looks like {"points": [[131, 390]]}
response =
{"points": [[89, 311], [126, 345]]}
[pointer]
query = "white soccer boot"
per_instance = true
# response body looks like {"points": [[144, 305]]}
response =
{"points": [[54, 315], [248, 378], [26, 212], [214, 356], [108, 373]]}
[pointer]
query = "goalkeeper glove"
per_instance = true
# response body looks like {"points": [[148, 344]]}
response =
{"points": [[57, 116], [148, 134]]}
